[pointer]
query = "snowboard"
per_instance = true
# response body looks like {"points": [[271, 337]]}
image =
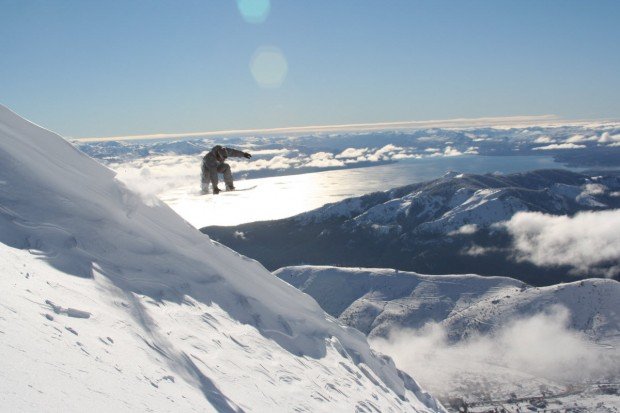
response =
{"points": [[237, 189]]}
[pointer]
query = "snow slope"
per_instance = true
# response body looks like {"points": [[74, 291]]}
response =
{"points": [[376, 301], [111, 303]]}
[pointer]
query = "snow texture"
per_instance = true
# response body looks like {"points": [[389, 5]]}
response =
{"points": [[111, 304], [377, 301], [493, 341]]}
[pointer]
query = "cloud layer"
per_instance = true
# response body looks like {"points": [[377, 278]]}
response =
{"points": [[520, 354], [154, 167], [554, 146], [585, 242]]}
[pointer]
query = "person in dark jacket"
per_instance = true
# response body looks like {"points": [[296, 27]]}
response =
{"points": [[214, 163]]}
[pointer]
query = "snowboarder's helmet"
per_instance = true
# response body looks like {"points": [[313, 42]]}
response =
{"points": [[220, 152]]}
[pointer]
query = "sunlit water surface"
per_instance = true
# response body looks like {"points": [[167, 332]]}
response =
{"points": [[285, 196]]}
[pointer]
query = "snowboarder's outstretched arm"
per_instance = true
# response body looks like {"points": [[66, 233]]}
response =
{"points": [[237, 154]]}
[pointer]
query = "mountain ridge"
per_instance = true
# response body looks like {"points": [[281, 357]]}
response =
{"points": [[379, 300], [435, 227]]}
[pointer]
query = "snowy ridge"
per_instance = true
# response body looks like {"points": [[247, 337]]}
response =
{"points": [[376, 301], [170, 311], [592, 304], [446, 204]]}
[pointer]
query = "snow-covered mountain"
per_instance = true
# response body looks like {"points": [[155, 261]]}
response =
{"points": [[436, 227], [490, 343], [376, 301], [108, 303]]}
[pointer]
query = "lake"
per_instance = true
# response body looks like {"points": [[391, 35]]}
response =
{"points": [[284, 196]]}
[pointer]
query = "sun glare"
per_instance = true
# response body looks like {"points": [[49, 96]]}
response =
{"points": [[269, 67], [254, 11]]}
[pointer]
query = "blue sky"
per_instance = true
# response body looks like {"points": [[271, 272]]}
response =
{"points": [[100, 68]]}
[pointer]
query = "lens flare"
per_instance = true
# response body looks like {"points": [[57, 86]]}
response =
{"points": [[269, 67], [254, 11]]}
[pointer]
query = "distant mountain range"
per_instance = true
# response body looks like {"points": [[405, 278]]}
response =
{"points": [[376, 301], [436, 227]]}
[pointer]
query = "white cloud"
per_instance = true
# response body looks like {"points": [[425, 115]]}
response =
{"points": [[559, 146], [576, 138], [523, 349], [275, 163], [263, 152], [323, 160], [588, 242], [384, 153], [151, 177], [465, 230], [352, 153], [450, 151], [405, 156], [387, 149], [607, 138], [544, 139]]}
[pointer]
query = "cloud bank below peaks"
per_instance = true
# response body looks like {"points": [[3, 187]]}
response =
{"points": [[521, 353], [587, 242]]}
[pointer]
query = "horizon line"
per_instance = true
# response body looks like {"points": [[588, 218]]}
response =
{"points": [[416, 124]]}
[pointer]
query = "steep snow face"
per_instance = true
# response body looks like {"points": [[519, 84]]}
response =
{"points": [[115, 304], [378, 300]]}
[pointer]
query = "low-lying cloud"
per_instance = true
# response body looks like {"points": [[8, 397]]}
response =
{"points": [[588, 242], [554, 146], [605, 137], [521, 353], [467, 229], [544, 139], [352, 153]]}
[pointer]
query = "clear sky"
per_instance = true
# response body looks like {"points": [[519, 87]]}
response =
{"points": [[99, 68]]}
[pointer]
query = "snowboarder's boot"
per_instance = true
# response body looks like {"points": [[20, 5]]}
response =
{"points": [[204, 188], [230, 187], [216, 190]]}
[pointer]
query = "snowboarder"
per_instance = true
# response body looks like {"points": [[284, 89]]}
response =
{"points": [[213, 163]]}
